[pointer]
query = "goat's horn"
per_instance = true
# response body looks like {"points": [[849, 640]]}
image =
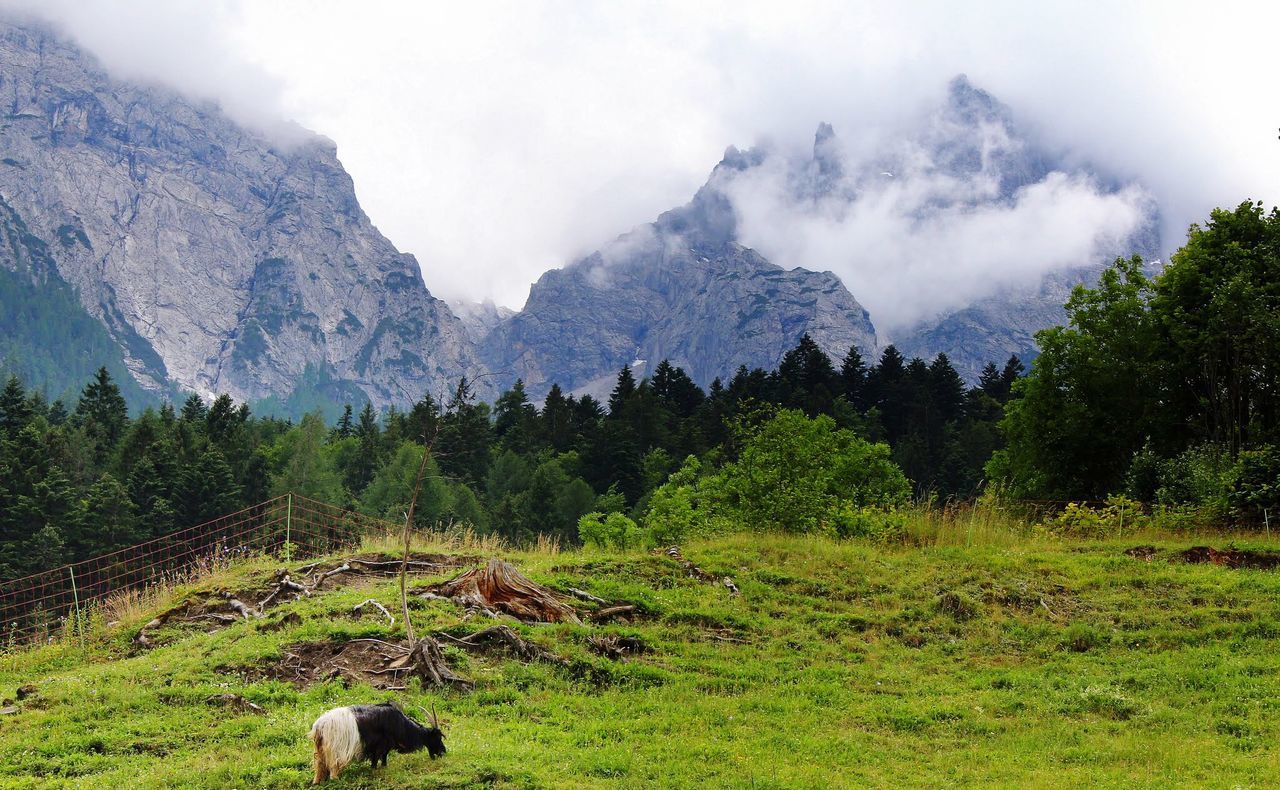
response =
{"points": [[435, 720]]}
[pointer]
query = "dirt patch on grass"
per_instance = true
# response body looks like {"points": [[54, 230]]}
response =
{"points": [[211, 610], [1230, 558], [1144, 553], [381, 664]]}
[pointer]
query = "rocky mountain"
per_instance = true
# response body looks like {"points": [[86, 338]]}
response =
{"points": [[218, 260], [690, 287], [150, 233], [681, 288]]}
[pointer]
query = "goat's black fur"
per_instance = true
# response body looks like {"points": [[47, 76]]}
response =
{"points": [[385, 728]]}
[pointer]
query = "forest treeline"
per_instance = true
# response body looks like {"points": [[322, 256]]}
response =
{"points": [[81, 480], [1160, 388]]}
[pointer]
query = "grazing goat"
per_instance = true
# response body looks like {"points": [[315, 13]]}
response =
{"points": [[344, 735]]}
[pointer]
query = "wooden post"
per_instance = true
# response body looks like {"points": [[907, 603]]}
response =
{"points": [[75, 596], [288, 528]]}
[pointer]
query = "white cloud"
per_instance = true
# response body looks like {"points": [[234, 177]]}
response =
{"points": [[496, 140]]}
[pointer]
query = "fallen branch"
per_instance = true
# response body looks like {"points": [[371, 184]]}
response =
{"points": [[616, 647], [284, 584], [609, 613], [237, 702], [694, 572], [343, 568], [378, 606], [242, 609], [586, 596]]}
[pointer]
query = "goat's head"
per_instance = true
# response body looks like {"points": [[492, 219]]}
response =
{"points": [[432, 735]]}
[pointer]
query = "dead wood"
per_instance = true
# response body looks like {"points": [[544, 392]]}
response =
{"points": [[500, 587], [428, 661], [694, 572], [242, 609], [377, 606], [284, 584], [616, 647], [586, 596], [343, 568], [236, 702], [506, 637], [157, 621], [624, 611]]}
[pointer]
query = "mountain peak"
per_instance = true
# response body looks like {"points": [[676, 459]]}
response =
{"points": [[971, 104]]}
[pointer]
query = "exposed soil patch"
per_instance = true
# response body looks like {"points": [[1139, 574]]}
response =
{"points": [[1230, 558], [389, 664], [1142, 552], [219, 608], [383, 665]]}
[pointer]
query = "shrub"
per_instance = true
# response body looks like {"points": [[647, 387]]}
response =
{"points": [[792, 474], [609, 531], [1256, 487]]}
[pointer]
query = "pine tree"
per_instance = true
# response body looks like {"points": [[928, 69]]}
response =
{"points": [[515, 419], [193, 410], [622, 393], [1013, 370], [344, 427], [556, 420], [465, 437], [206, 490], [853, 378], [15, 412]]}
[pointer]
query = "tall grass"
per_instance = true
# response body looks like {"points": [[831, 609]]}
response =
{"points": [[979, 523]]}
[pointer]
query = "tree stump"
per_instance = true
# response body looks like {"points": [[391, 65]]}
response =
{"points": [[499, 587], [428, 661]]}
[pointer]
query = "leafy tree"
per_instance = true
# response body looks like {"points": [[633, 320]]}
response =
{"points": [[391, 489], [304, 466], [1094, 396]]}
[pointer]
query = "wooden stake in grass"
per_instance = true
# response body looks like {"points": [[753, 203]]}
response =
{"points": [[408, 532]]}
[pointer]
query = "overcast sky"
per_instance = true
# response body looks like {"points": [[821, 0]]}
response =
{"points": [[497, 140]]}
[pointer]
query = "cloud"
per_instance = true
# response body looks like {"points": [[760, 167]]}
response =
{"points": [[959, 212], [183, 45], [497, 140]]}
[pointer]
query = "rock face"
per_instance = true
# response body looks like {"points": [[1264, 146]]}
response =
{"points": [[681, 288], [218, 260]]}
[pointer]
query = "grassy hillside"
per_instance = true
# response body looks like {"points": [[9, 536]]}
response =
{"points": [[1034, 663]]}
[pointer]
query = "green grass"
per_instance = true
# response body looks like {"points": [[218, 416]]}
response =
{"points": [[1035, 662]]}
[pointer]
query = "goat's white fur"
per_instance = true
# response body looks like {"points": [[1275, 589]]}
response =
{"points": [[337, 741]]}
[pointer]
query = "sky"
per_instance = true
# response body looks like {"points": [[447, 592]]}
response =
{"points": [[496, 140]]}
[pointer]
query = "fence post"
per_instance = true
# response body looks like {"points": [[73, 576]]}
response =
{"points": [[75, 596], [288, 529]]}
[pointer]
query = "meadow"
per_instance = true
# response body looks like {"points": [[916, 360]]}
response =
{"points": [[973, 652]]}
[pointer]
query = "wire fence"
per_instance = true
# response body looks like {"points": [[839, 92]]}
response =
{"points": [[34, 607]]}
